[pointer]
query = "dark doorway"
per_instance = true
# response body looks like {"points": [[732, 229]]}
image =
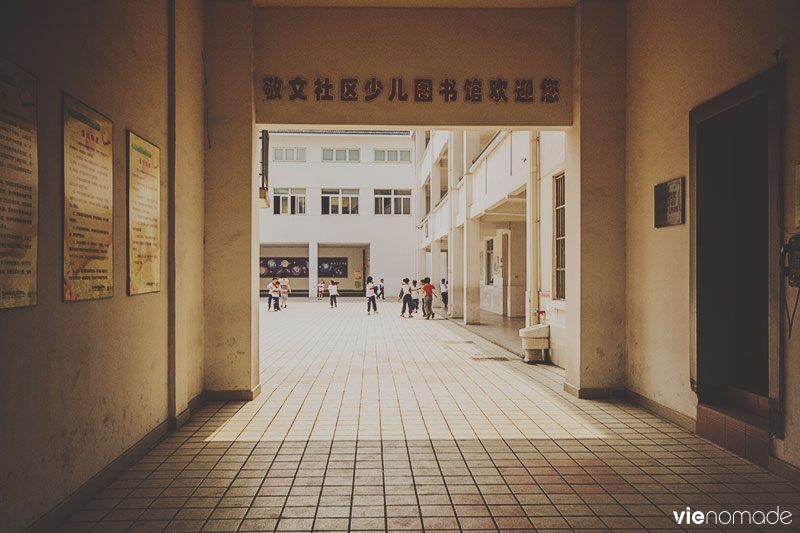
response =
{"points": [[735, 219], [732, 273]]}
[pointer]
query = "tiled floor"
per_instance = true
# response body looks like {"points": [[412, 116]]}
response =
{"points": [[376, 423], [499, 329]]}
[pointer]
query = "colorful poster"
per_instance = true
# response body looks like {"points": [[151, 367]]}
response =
{"points": [[284, 267], [144, 216], [332, 267], [19, 187], [88, 203]]}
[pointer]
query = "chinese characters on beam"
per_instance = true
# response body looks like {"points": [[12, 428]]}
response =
{"points": [[447, 90]]}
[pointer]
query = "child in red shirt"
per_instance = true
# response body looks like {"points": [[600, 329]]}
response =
{"points": [[427, 303]]}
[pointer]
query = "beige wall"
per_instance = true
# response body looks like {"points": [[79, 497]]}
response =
{"points": [[708, 47], [82, 382]]}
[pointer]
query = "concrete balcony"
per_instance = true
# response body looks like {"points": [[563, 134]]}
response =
{"points": [[425, 231], [441, 218]]}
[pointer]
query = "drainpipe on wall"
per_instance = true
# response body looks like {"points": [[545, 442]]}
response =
{"points": [[538, 222], [535, 337], [533, 236]]}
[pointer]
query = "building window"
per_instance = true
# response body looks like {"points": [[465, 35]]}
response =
{"points": [[392, 156], [489, 262], [262, 164], [560, 264], [289, 154], [341, 155], [339, 201], [289, 201], [392, 201]]}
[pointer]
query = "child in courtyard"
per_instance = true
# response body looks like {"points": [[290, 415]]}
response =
{"points": [[285, 290], [333, 291], [320, 289], [371, 296], [427, 304], [444, 290], [414, 296], [275, 293], [405, 296]]}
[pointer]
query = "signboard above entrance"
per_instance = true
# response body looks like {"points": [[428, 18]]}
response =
{"points": [[413, 67]]}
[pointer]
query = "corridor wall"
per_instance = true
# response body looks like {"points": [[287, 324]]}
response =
{"points": [[675, 61], [81, 383]]}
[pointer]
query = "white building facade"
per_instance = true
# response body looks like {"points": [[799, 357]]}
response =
{"points": [[340, 205], [492, 221]]}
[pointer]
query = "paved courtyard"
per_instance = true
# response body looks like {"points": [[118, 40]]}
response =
{"points": [[380, 423]]}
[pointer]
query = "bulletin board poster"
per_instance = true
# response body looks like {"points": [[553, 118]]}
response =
{"points": [[283, 267], [332, 267], [88, 203], [144, 216], [19, 187]]}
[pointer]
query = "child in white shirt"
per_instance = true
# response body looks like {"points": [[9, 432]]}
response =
{"points": [[333, 291], [371, 297]]}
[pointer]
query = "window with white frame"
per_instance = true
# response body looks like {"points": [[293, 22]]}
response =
{"points": [[489, 270], [392, 156], [289, 154], [392, 201], [560, 234], [341, 155], [339, 201], [289, 201]]}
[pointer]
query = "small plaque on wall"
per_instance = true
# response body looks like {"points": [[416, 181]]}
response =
{"points": [[669, 203]]}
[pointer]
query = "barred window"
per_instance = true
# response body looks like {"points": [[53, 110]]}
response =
{"points": [[559, 224]]}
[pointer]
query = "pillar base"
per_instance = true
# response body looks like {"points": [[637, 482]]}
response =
{"points": [[232, 395], [594, 394]]}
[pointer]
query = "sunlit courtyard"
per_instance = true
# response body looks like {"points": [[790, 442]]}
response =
{"points": [[383, 423]]}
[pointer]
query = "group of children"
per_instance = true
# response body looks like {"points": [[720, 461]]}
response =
{"points": [[410, 296], [278, 293], [333, 291], [279, 289]]}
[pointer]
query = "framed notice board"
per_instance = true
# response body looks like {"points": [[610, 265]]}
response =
{"points": [[669, 204]]}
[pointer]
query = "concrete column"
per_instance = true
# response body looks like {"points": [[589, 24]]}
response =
{"points": [[595, 204], [187, 170], [455, 236], [436, 261], [455, 257], [517, 271], [472, 146], [472, 272], [472, 237], [436, 184], [313, 261], [231, 199], [532, 236]]}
